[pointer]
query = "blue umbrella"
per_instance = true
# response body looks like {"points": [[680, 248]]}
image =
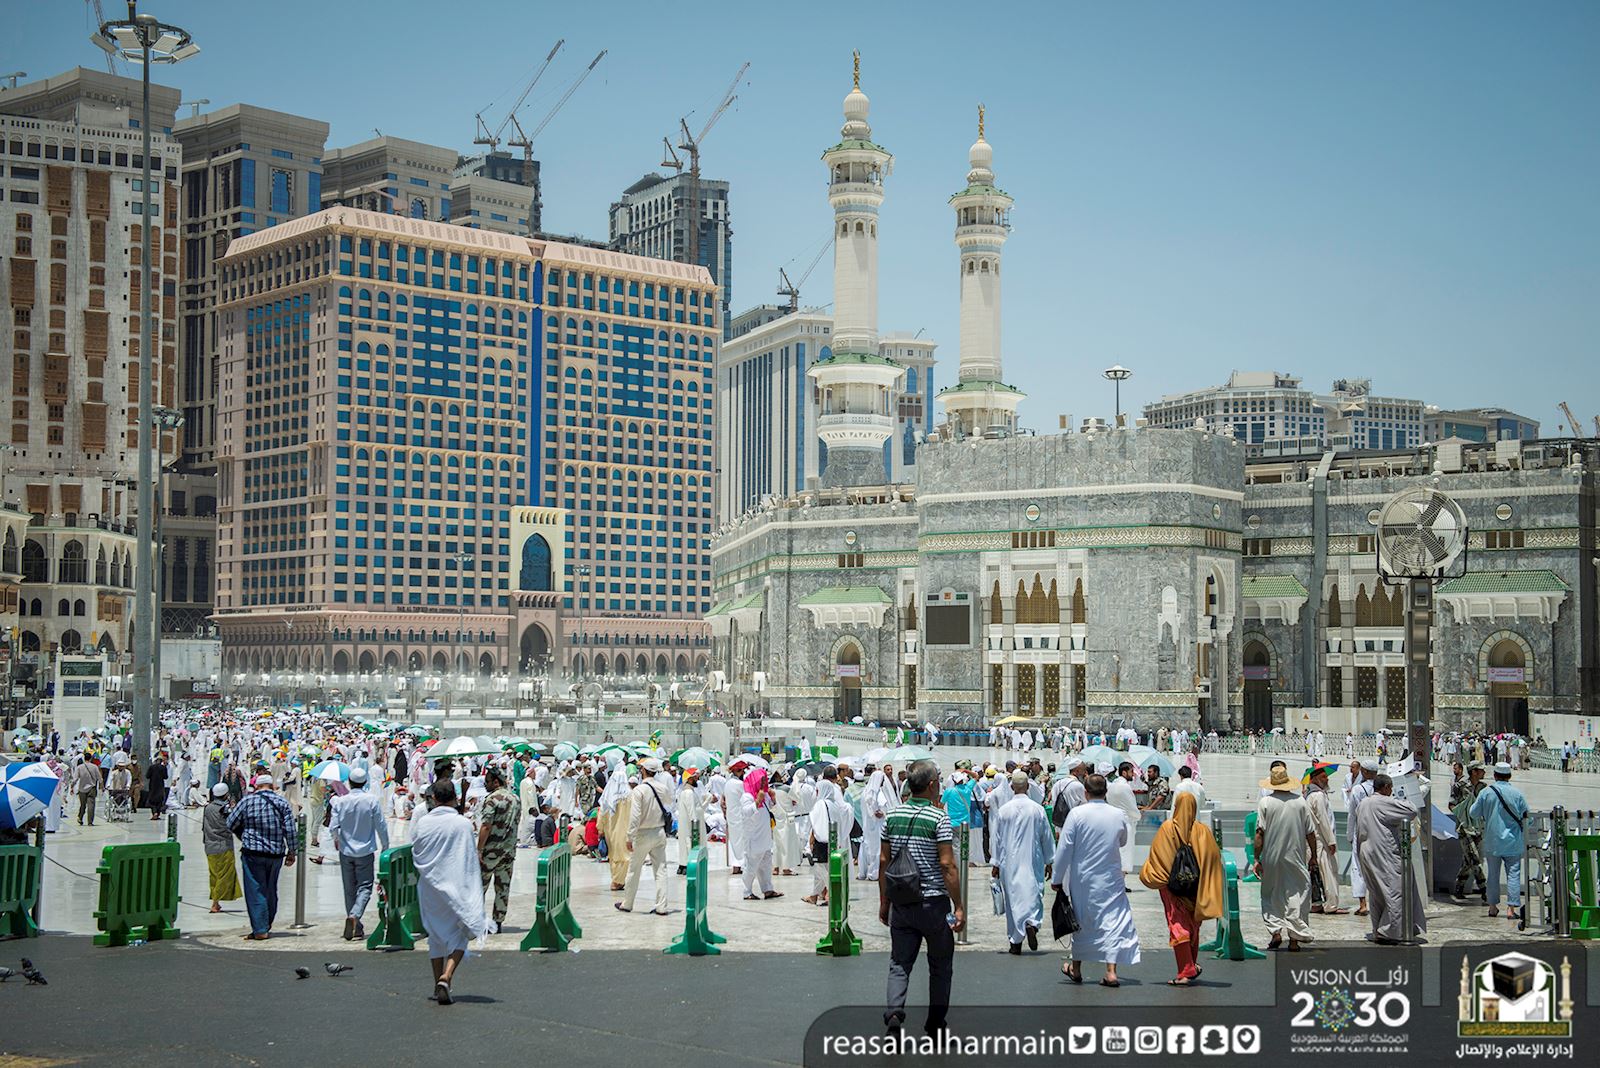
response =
{"points": [[331, 771], [25, 791], [1144, 756], [1102, 754]]}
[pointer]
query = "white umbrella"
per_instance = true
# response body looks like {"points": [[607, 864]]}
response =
{"points": [[463, 747], [331, 771], [750, 759]]}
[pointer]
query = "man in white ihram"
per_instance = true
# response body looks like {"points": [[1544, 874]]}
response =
{"points": [[732, 792], [1023, 844], [876, 801], [444, 846], [647, 837], [1119, 795]]}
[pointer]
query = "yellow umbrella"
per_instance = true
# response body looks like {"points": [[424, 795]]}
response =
{"points": [[1019, 719]]}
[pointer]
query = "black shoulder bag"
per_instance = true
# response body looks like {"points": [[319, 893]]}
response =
{"points": [[1183, 877], [903, 879]]}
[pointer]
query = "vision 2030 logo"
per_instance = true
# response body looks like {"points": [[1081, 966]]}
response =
{"points": [[1514, 995]]}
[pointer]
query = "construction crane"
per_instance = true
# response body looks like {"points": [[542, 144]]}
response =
{"points": [[1597, 426], [691, 144], [524, 141], [1574, 427], [791, 290], [493, 139], [99, 21]]}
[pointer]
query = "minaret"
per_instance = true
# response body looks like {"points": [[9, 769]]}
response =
{"points": [[856, 386], [980, 403]]}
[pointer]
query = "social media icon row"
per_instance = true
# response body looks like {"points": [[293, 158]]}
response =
{"points": [[1211, 1040]]}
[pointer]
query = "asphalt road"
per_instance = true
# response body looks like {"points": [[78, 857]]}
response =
{"points": [[184, 1003]]}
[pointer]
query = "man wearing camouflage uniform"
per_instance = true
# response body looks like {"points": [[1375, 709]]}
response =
{"points": [[1464, 789], [497, 841]]}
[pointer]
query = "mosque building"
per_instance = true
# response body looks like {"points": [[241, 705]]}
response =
{"points": [[1122, 575]]}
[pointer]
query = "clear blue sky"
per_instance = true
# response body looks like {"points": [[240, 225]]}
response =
{"points": [[1401, 191]]}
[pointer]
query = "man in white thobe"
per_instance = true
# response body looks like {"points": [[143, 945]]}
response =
{"points": [[691, 831], [1023, 844], [444, 847], [1283, 837], [1326, 847], [732, 792], [876, 801], [1119, 795], [785, 839], [1088, 862], [1359, 788]]}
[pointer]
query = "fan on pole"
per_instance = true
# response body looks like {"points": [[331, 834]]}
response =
{"points": [[1422, 533]]}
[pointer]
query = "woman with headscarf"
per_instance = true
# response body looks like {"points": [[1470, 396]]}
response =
{"points": [[1185, 915], [1191, 760], [879, 796], [755, 814], [615, 810]]}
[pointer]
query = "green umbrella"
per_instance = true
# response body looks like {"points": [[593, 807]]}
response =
{"points": [[565, 751], [695, 757]]}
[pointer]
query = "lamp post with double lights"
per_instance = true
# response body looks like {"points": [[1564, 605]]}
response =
{"points": [[1118, 374], [165, 419], [582, 571], [144, 39], [462, 561]]}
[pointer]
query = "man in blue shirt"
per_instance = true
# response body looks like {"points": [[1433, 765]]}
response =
{"points": [[360, 833], [1501, 810], [959, 802]]}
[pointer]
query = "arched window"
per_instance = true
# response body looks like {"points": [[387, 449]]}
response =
{"points": [[535, 564], [74, 565], [33, 563]]}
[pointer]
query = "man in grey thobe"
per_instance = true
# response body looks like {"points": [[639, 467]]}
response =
{"points": [[1379, 821], [1283, 841]]}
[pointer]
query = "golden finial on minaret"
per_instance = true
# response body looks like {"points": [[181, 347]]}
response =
{"points": [[980, 122], [857, 55]]}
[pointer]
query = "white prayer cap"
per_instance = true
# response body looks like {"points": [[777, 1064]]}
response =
{"points": [[650, 765], [1502, 768], [1071, 762], [220, 790], [1104, 768], [263, 780], [1019, 778], [358, 775]]}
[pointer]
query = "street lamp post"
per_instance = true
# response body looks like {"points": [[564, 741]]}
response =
{"points": [[462, 559], [144, 39], [165, 419], [582, 571], [1118, 374]]}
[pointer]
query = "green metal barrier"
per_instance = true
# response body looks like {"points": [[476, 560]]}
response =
{"points": [[138, 893], [553, 925], [840, 941], [1250, 848], [698, 939], [20, 866], [1229, 943], [399, 915], [1583, 866]]}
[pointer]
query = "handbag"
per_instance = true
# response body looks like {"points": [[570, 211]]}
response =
{"points": [[998, 892], [1063, 918], [1183, 878], [669, 826]]}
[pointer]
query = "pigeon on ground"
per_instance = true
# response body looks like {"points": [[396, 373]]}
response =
{"points": [[6, 973], [302, 973], [335, 969], [34, 976]]}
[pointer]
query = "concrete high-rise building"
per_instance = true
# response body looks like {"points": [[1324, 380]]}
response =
{"points": [[1272, 414], [979, 403], [517, 186], [245, 168], [857, 386], [654, 218], [1478, 424], [71, 244], [767, 412], [454, 452], [391, 175], [484, 203]]}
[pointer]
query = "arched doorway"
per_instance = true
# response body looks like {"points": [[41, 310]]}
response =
{"points": [[367, 661], [847, 695], [535, 648], [486, 665], [661, 665], [1508, 689], [440, 664], [341, 663], [1257, 686]]}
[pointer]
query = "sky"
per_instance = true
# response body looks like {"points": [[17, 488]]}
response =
{"points": [[1405, 192]]}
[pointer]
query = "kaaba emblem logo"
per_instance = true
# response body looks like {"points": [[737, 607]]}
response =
{"points": [[1514, 995]]}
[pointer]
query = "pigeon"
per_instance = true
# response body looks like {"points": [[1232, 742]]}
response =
{"points": [[6, 973], [335, 969], [34, 976], [302, 973]]}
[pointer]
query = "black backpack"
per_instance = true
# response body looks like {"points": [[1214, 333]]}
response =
{"points": [[903, 878], [1183, 879], [1059, 809]]}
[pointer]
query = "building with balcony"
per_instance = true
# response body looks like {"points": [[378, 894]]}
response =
{"points": [[71, 248]]}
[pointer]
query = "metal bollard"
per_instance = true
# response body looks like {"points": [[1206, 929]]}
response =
{"points": [[301, 864], [172, 826], [966, 899], [1560, 889], [38, 903], [1408, 879]]}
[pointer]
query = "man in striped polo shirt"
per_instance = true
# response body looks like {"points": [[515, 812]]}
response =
{"points": [[922, 829]]}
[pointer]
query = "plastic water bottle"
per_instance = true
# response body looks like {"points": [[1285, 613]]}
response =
{"points": [[950, 920]]}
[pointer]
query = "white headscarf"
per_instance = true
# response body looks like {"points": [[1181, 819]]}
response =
{"points": [[616, 789]]}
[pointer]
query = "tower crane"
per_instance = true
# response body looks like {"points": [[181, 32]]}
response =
{"points": [[690, 143], [484, 137], [791, 290], [524, 140], [1574, 427]]}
